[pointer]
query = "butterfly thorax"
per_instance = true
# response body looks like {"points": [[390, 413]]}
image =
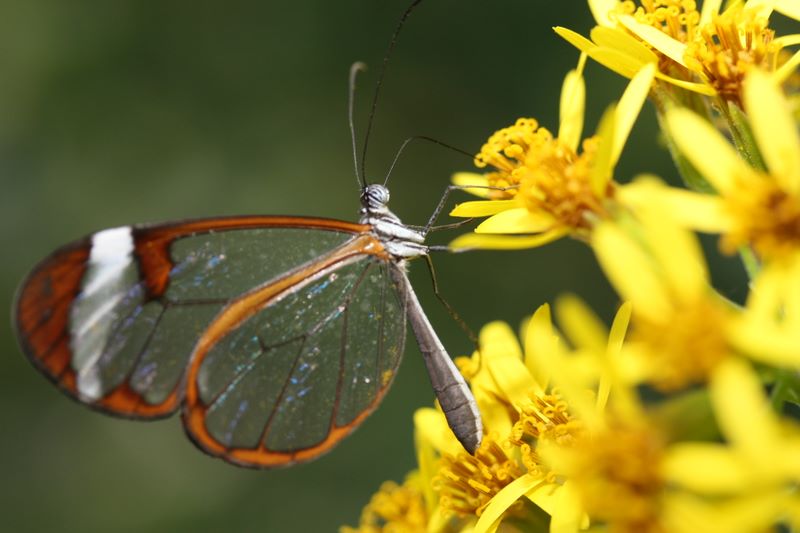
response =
{"points": [[399, 240]]}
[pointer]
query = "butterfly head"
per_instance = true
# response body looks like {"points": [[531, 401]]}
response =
{"points": [[374, 198]]}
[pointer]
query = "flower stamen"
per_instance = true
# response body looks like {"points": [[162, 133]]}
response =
{"points": [[467, 483], [727, 48]]}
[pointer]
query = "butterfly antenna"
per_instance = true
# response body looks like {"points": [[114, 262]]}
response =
{"points": [[381, 76], [355, 68], [422, 138]]}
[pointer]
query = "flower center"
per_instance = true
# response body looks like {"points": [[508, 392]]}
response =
{"points": [[729, 46], [543, 417], [687, 345], [506, 150], [394, 508], [467, 483], [546, 174], [616, 474], [676, 18], [768, 219], [557, 180]]}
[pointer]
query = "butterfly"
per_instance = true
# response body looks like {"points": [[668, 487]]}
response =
{"points": [[274, 336]]}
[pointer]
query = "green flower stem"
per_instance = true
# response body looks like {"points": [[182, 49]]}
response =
{"points": [[742, 135], [751, 263], [689, 174], [785, 388]]}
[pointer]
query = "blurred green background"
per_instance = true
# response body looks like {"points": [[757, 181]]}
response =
{"points": [[122, 111]]}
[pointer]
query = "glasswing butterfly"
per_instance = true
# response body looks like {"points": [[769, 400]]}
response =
{"points": [[275, 336]]}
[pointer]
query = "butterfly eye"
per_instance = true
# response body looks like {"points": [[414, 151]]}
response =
{"points": [[375, 196]]}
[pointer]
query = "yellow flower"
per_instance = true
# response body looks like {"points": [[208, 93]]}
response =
{"points": [[752, 208], [521, 385], [520, 409], [706, 51], [608, 472], [394, 509], [682, 330], [557, 189], [748, 482]]}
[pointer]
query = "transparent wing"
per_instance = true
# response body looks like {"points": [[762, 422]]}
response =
{"points": [[291, 380]]}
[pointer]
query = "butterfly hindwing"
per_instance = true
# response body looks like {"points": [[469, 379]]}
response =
{"points": [[286, 383]]}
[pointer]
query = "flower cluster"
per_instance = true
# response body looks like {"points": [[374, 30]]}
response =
{"points": [[682, 416]]}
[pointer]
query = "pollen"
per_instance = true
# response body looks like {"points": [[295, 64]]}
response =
{"points": [[728, 47], [543, 417], [676, 18], [616, 474], [467, 483], [393, 508], [767, 218], [544, 173], [506, 151], [557, 181], [686, 347]]}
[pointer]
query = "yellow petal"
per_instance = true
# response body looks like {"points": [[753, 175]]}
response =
{"points": [[619, 62], [575, 39], [763, 8], [464, 179], [787, 69], [428, 465], [517, 220], [475, 241], [710, 8], [702, 212], [700, 88], [482, 208], [617, 369], [659, 40], [706, 149], [678, 253], [496, 339], [705, 468], [769, 328], [503, 500], [568, 516], [541, 341], [787, 40], [743, 413], [629, 106], [602, 170], [790, 8], [513, 379], [790, 274], [431, 426], [600, 10], [766, 342], [630, 270], [580, 324], [774, 129], [623, 42], [573, 101], [545, 497], [495, 416], [687, 513]]}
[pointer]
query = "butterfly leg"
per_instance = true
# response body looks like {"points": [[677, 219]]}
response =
{"points": [[450, 309], [443, 201]]}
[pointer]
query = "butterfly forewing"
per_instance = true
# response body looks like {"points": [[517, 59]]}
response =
{"points": [[114, 318]]}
